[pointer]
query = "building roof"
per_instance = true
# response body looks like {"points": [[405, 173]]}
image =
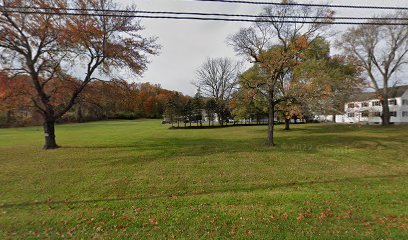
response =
{"points": [[394, 92]]}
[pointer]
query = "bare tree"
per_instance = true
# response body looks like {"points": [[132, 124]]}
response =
{"points": [[382, 51], [277, 47], [44, 46], [218, 78]]}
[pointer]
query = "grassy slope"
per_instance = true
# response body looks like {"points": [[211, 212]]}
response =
{"points": [[139, 179]]}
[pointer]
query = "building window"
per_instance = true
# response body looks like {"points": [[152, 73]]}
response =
{"points": [[376, 103], [364, 114], [392, 102], [405, 114], [393, 114], [364, 104], [404, 101], [350, 115], [377, 114], [351, 105]]}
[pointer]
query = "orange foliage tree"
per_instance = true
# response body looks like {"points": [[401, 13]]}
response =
{"points": [[277, 47], [44, 46]]}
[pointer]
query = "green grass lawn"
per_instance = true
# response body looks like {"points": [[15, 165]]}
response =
{"points": [[139, 179]]}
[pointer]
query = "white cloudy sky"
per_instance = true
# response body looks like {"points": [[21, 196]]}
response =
{"points": [[186, 44]]}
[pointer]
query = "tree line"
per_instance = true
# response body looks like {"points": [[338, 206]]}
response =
{"points": [[114, 99]]}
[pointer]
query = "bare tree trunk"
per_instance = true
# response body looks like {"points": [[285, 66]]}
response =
{"points": [[385, 112], [334, 118], [271, 116], [49, 133], [385, 116]]}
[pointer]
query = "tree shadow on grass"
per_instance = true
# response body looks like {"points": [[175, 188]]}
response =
{"points": [[195, 127], [315, 143], [239, 189], [160, 149], [330, 128], [156, 149], [312, 128]]}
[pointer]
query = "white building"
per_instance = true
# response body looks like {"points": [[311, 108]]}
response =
{"points": [[367, 108]]}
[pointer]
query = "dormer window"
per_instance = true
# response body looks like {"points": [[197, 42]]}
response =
{"points": [[351, 105], [364, 104], [376, 103]]}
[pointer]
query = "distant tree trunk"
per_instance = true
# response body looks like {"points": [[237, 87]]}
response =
{"points": [[271, 118], [287, 124], [220, 121], [49, 134], [79, 115], [8, 116], [334, 118]]}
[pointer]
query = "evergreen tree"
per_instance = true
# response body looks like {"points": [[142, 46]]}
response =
{"points": [[210, 109], [198, 106]]}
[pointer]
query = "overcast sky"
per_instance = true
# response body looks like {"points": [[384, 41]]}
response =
{"points": [[186, 44]]}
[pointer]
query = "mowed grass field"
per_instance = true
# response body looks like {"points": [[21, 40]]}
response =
{"points": [[139, 179]]}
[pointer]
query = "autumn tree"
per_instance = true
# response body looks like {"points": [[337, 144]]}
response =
{"points": [[249, 101], [326, 82], [330, 84], [14, 97], [276, 47], [44, 46], [382, 52]]}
